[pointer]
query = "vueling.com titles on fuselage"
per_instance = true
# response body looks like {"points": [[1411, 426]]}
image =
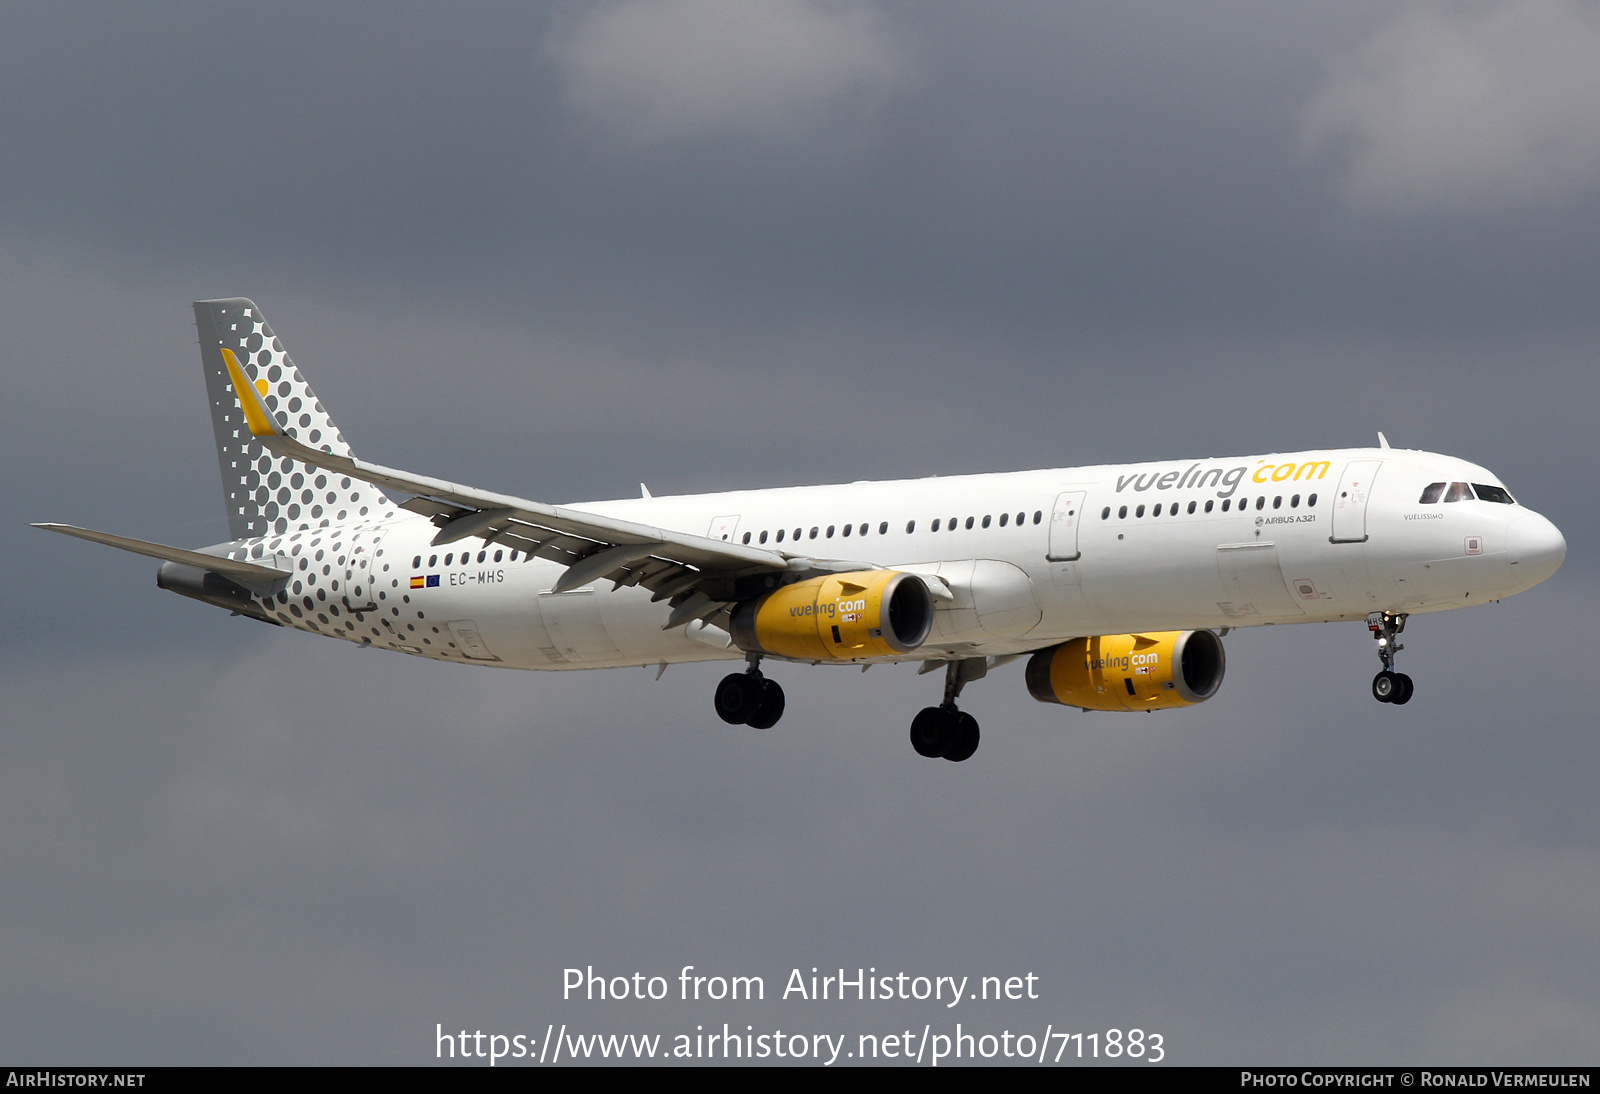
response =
{"points": [[1215, 477]]}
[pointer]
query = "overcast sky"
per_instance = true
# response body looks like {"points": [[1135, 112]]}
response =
{"points": [[555, 250]]}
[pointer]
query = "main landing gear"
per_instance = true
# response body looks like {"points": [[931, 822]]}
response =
{"points": [[943, 730], [1389, 686], [749, 699]]}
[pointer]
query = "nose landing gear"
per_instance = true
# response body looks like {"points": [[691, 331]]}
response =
{"points": [[749, 699], [944, 730], [1389, 686]]}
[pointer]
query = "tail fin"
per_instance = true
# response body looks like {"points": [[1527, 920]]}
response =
{"points": [[269, 494]]}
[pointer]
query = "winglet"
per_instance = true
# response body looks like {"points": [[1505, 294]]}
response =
{"points": [[1383, 442], [249, 396]]}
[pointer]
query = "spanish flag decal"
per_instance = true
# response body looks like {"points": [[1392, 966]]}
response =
{"points": [[418, 582]]}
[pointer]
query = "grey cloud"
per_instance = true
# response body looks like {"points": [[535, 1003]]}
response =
{"points": [[654, 70], [1467, 105]]}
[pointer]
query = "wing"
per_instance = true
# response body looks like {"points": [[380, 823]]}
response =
{"points": [[699, 575]]}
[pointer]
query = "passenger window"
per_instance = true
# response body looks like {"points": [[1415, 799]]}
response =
{"points": [[847, 529], [1459, 491], [1496, 494], [1431, 493], [762, 538], [969, 524], [1038, 515], [1225, 502], [1105, 514], [797, 534], [1210, 503], [883, 529], [497, 555], [1277, 502], [1139, 512], [1261, 502], [1155, 511], [1122, 514], [448, 557], [780, 535], [1173, 511], [416, 563], [1005, 518], [747, 537], [1191, 507], [482, 555], [514, 556], [830, 532], [1294, 502], [911, 526], [936, 524], [813, 532], [951, 524], [1312, 500], [986, 520], [1022, 518]]}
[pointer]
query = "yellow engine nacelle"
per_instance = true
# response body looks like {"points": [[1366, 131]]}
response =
{"points": [[838, 617], [1129, 671]]}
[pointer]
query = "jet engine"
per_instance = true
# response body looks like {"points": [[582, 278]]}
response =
{"points": [[838, 617], [1129, 671]]}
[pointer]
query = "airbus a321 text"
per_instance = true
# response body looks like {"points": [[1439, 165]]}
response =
{"points": [[1116, 583]]}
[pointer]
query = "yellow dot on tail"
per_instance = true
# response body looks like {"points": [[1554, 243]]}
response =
{"points": [[261, 386]]}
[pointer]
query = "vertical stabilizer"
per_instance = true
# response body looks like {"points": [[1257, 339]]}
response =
{"points": [[269, 494]]}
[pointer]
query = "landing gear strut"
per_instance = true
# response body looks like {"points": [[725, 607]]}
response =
{"points": [[1389, 686], [943, 730], [748, 698]]}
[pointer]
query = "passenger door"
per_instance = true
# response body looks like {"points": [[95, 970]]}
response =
{"points": [[1350, 504], [359, 595], [1064, 521]]}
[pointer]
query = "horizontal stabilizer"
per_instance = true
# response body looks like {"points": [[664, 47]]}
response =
{"points": [[252, 575]]}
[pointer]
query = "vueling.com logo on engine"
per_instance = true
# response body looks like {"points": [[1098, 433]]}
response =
{"points": [[1125, 662], [849, 610]]}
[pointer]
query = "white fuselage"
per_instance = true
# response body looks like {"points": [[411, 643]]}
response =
{"points": [[1030, 558]]}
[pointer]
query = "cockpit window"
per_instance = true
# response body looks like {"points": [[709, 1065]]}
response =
{"points": [[1432, 493], [1459, 491], [1493, 493]]}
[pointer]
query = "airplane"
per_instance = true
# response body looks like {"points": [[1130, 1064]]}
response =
{"points": [[1117, 583]]}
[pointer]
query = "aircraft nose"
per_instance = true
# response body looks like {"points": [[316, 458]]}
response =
{"points": [[1535, 549]]}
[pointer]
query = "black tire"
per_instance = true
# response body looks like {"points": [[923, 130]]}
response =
{"points": [[770, 709], [965, 742], [1385, 686], [738, 698], [932, 731], [1402, 696]]}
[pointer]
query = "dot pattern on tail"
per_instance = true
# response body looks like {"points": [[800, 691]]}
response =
{"points": [[269, 494]]}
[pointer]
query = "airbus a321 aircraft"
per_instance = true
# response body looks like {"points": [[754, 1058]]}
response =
{"points": [[1116, 583]]}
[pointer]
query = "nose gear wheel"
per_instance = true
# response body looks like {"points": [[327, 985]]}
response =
{"points": [[1389, 686]]}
